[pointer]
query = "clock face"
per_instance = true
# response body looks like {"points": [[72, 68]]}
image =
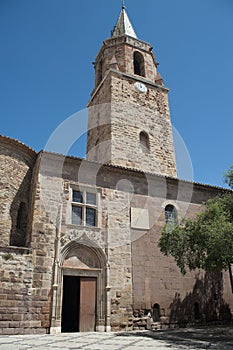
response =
{"points": [[140, 87]]}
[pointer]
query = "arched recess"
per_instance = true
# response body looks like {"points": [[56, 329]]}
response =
{"points": [[83, 263], [144, 142], [18, 232], [139, 64]]}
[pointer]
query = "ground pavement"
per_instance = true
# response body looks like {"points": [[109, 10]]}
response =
{"points": [[217, 338]]}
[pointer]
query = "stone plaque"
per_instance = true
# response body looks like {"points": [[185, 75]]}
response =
{"points": [[140, 219]]}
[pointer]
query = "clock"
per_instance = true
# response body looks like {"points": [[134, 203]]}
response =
{"points": [[140, 87]]}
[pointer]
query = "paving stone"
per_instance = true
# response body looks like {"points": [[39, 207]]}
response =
{"points": [[220, 338]]}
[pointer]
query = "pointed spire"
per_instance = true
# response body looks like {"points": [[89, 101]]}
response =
{"points": [[123, 26]]}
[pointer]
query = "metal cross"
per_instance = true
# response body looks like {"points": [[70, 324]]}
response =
{"points": [[123, 4]]}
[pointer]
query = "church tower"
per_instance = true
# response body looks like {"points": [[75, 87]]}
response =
{"points": [[129, 119]]}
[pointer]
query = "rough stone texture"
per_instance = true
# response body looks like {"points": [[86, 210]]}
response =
{"points": [[131, 274], [16, 163], [118, 113], [138, 275], [117, 53]]}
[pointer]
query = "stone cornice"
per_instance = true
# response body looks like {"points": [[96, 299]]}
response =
{"points": [[128, 76]]}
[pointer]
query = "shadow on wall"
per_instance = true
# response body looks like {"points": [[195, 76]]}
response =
{"points": [[19, 213], [205, 304]]}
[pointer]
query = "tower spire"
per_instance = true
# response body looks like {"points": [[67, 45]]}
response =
{"points": [[123, 26]]}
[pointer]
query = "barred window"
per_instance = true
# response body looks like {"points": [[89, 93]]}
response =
{"points": [[84, 208]]}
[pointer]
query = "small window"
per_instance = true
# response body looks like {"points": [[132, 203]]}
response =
{"points": [[84, 208], [171, 215], [144, 142], [139, 67]]}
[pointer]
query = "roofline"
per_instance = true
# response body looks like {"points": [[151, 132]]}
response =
{"points": [[14, 142], [135, 171]]}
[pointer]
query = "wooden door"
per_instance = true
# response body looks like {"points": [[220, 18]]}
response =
{"points": [[87, 312]]}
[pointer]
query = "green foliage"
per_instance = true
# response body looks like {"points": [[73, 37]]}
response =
{"points": [[7, 256], [228, 177], [204, 243]]}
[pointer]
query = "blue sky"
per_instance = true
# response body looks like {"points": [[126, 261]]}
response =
{"points": [[46, 73]]}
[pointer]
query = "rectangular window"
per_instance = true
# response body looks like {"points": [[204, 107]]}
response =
{"points": [[84, 208]]}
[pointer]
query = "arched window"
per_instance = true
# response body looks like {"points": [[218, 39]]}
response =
{"points": [[171, 215], [139, 66], [144, 142]]}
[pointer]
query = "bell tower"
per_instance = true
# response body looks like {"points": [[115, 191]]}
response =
{"points": [[128, 112]]}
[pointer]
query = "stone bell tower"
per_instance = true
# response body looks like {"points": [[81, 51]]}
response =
{"points": [[129, 119]]}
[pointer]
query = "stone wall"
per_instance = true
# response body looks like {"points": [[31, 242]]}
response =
{"points": [[114, 129], [22, 307], [118, 53], [16, 166], [133, 113], [133, 275], [112, 234], [157, 279], [19, 307]]}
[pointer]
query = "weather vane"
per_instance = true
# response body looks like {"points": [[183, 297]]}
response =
{"points": [[123, 3]]}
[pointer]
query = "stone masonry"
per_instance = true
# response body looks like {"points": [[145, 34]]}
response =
{"points": [[118, 113], [79, 237]]}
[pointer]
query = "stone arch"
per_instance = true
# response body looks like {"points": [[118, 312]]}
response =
{"points": [[81, 259], [73, 251]]}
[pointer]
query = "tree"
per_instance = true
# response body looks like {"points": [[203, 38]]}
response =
{"points": [[205, 242], [228, 177]]}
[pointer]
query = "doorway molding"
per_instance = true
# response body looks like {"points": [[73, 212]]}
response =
{"points": [[84, 258]]}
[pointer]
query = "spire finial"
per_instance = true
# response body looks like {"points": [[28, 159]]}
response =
{"points": [[123, 26]]}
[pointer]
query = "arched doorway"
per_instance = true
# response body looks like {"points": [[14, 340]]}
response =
{"points": [[81, 295], [156, 313]]}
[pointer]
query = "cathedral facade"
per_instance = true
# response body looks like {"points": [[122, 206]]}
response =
{"points": [[79, 237]]}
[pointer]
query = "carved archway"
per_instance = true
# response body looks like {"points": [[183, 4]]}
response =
{"points": [[84, 259]]}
